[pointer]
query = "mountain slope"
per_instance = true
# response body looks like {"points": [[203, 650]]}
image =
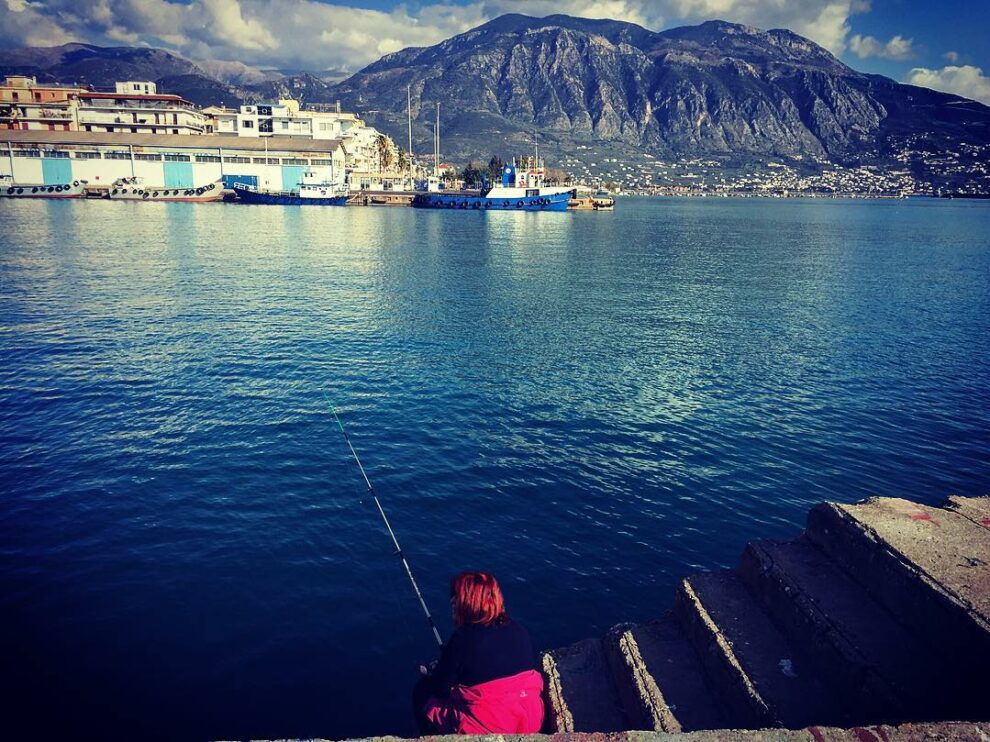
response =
{"points": [[713, 89]]}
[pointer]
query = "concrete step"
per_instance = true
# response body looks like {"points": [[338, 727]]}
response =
{"points": [[976, 509], [760, 677], [930, 567], [660, 679], [580, 692], [883, 671]]}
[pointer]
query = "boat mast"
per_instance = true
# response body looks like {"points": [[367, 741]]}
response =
{"points": [[436, 144], [409, 113]]}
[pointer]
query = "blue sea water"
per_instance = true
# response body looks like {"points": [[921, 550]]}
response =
{"points": [[590, 405]]}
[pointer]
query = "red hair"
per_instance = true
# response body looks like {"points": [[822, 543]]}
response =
{"points": [[477, 598]]}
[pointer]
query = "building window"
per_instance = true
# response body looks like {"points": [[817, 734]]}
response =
{"points": [[133, 130], [176, 158], [16, 96], [57, 153], [147, 156], [208, 158], [285, 124], [116, 155], [89, 128], [87, 155], [27, 153], [321, 162], [248, 124], [238, 159], [175, 131], [293, 161], [137, 87]]}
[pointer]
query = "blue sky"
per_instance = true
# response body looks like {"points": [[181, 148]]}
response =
{"points": [[938, 44]]}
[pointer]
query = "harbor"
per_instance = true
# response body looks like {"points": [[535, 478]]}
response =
{"points": [[386, 371], [130, 144]]}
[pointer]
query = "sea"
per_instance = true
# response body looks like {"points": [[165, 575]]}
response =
{"points": [[591, 406]]}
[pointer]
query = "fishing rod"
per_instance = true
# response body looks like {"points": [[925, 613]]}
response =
{"points": [[398, 549]]}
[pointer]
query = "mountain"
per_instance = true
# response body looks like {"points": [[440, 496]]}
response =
{"points": [[99, 66], [716, 89], [594, 89]]}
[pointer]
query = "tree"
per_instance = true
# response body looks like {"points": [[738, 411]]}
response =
{"points": [[495, 166], [471, 175], [384, 146]]}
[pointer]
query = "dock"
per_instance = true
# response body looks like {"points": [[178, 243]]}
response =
{"points": [[878, 613], [872, 625]]}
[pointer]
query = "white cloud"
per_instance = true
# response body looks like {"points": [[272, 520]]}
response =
{"points": [[314, 35], [967, 81], [898, 48]]}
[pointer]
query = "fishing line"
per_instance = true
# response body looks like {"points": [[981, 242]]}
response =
{"points": [[398, 549]]}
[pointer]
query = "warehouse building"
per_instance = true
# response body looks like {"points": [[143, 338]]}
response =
{"points": [[164, 160]]}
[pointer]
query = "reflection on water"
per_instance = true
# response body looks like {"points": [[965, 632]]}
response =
{"points": [[589, 404]]}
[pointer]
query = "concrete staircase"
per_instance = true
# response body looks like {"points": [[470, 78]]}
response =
{"points": [[879, 612]]}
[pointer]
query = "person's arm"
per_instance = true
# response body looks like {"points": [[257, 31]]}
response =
{"points": [[448, 668]]}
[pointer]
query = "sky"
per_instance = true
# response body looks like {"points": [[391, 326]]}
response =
{"points": [[940, 44]]}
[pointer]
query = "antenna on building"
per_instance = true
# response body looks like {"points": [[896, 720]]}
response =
{"points": [[436, 139]]}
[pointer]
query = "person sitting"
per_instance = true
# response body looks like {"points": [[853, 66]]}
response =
{"points": [[485, 681]]}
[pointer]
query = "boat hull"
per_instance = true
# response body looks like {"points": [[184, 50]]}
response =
{"points": [[285, 199], [127, 192], [554, 202], [64, 190]]}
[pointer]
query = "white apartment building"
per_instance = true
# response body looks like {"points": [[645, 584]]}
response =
{"points": [[138, 113], [285, 119]]}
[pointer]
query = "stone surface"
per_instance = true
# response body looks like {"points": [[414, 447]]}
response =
{"points": [[936, 732], [761, 675], [660, 677], [581, 695], [929, 566], [976, 509], [888, 673]]}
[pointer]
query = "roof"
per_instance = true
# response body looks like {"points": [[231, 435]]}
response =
{"points": [[133, 96], [171, 141]]}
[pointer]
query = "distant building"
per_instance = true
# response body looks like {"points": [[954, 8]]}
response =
{"points": [[138, 113], [135, 108], [27, 105], [372, 157]]}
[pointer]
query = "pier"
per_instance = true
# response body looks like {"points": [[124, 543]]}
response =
{"points": [[872, 625], [879, 612]]}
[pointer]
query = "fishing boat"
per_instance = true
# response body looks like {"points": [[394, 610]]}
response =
{"points": [[602, 201], [135, 189], [10, 189], [311, 191], [522, 189]]}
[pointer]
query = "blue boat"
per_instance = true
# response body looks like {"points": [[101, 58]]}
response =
{"points": [[521, 189], [311, 192]]}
